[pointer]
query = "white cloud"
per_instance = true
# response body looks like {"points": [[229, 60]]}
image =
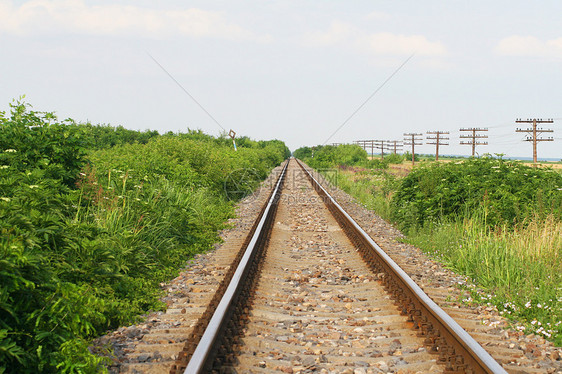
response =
{"points": [[46, 17], [531, 46], [383, 43], [379, 16], [393, 44], [339, 32]]}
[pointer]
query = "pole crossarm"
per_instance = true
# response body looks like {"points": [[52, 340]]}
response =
{"points": [[413, 139], [534, 132], [473, 136], [437, 140]]}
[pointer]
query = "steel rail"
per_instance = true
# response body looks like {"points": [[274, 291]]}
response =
{"points": [[198, 361], [480, 361]]}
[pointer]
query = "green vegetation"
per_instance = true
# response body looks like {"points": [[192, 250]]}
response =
{"points": [[105, 136], [372, 187], [501, 192], [328, 156], [498, 222], [93, 219], [517, 268]]}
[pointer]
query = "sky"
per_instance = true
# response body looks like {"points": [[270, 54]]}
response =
{"points": [[292, 70]]}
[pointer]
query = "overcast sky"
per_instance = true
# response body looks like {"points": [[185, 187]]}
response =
{"points": [[292, 70]]}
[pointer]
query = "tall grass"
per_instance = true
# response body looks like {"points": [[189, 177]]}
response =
{"points": [[372, 188], [519, 267]]}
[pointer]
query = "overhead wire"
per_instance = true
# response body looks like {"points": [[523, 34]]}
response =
{"points": [[370, 97], [184, 90]]}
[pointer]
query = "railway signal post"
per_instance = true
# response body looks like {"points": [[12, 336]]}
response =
{"points": [[232, 135]]}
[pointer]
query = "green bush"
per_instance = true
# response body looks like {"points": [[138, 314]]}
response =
{"points": [[88, 235], [35, 140], [105, 136], [503, 192], [329, 156], [394, 158]]}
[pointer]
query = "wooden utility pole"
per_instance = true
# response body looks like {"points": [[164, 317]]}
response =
{"points": [[394, 144], [473, 138], [437, 140], [413, 140], [382, 145], [534, 132], [374, 144]]}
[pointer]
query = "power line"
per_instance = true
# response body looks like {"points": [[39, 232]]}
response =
{"points": [[378, 144], [184, 90], [369, 98]]}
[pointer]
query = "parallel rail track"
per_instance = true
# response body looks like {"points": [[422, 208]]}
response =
{"points": [[217, 343]]}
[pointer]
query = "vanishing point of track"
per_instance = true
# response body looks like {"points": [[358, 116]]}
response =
{"points": [[311, 291]]}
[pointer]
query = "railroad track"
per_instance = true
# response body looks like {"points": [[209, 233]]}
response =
{"points": [[311, 292]]}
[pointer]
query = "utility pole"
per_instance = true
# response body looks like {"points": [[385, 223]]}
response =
{"points": [[394, 145], [378, 144], [437, 140], [381, 144], [473, 142], [534, 132], [413, 140]]}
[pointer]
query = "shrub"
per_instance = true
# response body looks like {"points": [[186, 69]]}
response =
{"points": [[35, 140], [86, 238], [328, 156], [502, 191]]}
